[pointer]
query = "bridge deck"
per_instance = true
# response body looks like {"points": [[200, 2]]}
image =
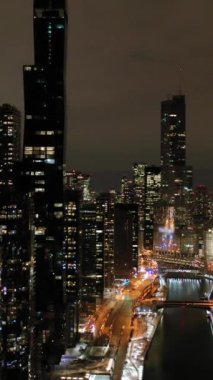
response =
{"points": [[185, 303]]}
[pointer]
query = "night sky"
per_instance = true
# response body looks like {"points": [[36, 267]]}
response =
{"points": [[123, 59]]}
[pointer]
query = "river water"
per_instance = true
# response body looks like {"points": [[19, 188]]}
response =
{"points": [[183, 344]]}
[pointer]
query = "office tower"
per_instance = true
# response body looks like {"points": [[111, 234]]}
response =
{"points": [[208, 248], [44, 100], [173, 146], [9, 155], [17, 298], [152, 197], [91, 242], [43, 161], [202, 216], [126, 239], [92, 278], [72, 262], [105, 203], [139, 199], [76, 180], [126, 193], [139, 188], [99, 250], [10, 129], [202, 206], [16, 258]]}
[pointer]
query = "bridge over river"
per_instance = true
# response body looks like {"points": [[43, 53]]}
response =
{"points": [[207, 304], [151, 305]]}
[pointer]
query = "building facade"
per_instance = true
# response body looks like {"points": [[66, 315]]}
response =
{"points": [[152, 198], [42, 169], [10, 131], [16, 257], [173, 145], [125, 239]]}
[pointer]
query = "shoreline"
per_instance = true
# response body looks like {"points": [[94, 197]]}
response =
{"points": [[141, 338]]}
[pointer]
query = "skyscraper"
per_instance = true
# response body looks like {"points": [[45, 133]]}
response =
{"points": [[139, 188], [126, 192], [105, 204], [152, 197], [75, 180], [125, 239], [44, 99], [43, 158], [72, 264], [173, 144], [16, 298], [16, 258], [10, 130]]}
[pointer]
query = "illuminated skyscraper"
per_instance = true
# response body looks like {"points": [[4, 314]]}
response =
{"points": [[105, 204], [126, 192], [75, 180], [139, 188], [16, 298], [173, 145], [152, 197], [10, 129], [43, 159], [72, 264], [16, 256]]}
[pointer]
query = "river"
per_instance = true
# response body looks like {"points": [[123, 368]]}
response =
{"points": [[183, 344]]}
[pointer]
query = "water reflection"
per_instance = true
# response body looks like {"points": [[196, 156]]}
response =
{"points": [[183, 344]]}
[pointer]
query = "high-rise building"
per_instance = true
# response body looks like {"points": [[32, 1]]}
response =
{"points": [[125, 239], [139, 199], [208, 247], [16, 258], [152, 197], [72, 265], [202, 216], [17, 296], [10, 130], [43, 160], [126, 193], [105, 204], [75, 180], [173, 145], [139, 188], [90, 241], [92, 275]]}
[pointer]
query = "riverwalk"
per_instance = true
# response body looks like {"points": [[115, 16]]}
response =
{"points": [[143, 331]]}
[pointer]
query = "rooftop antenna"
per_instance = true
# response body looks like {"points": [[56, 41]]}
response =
{"points": [[180, 70]]}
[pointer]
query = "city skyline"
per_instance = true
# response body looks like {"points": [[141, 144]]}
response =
{"points": [[122, 62], [85, 276]]}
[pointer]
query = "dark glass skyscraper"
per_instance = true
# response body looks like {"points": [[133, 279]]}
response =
{"points": [[44, 96], [16, 257], [173, 144], [43, 158], [125, 239]]}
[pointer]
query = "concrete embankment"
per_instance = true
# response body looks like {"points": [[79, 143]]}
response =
{"points": [[141, 335], [155, 322]]}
